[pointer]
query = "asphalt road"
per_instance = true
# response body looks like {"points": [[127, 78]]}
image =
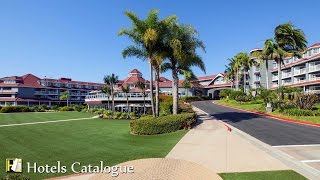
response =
{"points": [[268, 130]]}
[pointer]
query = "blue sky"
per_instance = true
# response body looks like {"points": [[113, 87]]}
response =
{"points": [[78, 38]]}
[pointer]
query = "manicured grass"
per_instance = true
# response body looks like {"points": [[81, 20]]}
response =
{"points": [[255, 107], [263, 175], [16, 118], [87, 141]]}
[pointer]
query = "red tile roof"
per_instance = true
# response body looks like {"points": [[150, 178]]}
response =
{"points": [[135, 71], [315, 45], [203, 78]]}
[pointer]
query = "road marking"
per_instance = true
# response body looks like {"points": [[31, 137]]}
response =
{"points": [[45, 122], [303, 145], [310, 161]]}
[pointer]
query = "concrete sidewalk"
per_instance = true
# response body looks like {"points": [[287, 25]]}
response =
{"points": [[211, 145]]}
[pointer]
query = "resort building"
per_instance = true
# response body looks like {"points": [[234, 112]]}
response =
{"points": [[30, 90], [301, 72]]}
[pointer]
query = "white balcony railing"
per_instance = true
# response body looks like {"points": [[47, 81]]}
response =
{"points": [[286, 83], [313, 78], [286, 75], [313, 91], [299, 80], [46, 92], [299, 71], [274, 78], [118, 97], [313, 68]]}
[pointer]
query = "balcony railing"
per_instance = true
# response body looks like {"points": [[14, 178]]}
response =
{"points": [[119, 97], [313, 68], [299, 71], [286, 75], [313, 78], [299, 80], [46, 92], [275, 78], [313, 91]]}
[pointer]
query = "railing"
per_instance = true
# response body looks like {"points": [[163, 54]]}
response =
{"points": [[312, 78], [286, 75], [313, 91], [299, 80], [118, 96], [314, 68], [286, 83], [274, 78], [299, 71], [46, 92]]}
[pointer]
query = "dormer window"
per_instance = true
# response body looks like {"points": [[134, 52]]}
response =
{"points": [[9, 81]]}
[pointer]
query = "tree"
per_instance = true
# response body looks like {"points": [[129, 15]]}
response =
{"points": [[141, 85], [289, 41], [245, 62], [147, 36], [186, 84], [65, 96], [236, 67], [125, 89], [107, 91], [111, 80], [230, 73], [181, 55]]}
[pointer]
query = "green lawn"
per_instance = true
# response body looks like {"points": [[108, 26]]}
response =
{"points": [[249, 106], [87, 141], [16, 118], [263, 175]]}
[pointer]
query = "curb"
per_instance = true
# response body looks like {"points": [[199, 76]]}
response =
{"points": [[272, 116]]}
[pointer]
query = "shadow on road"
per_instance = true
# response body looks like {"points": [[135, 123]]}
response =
{"points": [[235, 117]]}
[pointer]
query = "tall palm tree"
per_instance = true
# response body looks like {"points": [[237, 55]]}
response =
{"points": [[147, 36], [111, 80], [246, 63], [141, 85], [229, 73], [125, 89], [107, 91], [236, 65], [65, 96], [289, 41], [181, 55]]}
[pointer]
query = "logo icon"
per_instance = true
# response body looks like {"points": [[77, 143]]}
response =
{"points": [[14, 165]]}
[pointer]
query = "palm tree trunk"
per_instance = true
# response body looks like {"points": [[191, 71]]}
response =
{"points": [[127, 107], [279, 74], [144, 102], [237, 79], [151, 88], [108, 103], [267, 78], [113, 108], [244, 80], [175, 90], [157, 77]]}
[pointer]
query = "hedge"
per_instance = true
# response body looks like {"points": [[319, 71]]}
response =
{"points": [[9, 109], [300, 112], [194, 98], [66, 108], [149, 125]]}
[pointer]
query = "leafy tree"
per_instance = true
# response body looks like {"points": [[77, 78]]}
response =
{"points": [[148, 36], [65, 96], [181, 46], [186, 84], [245, 62], [111, 80], [107, 91]]}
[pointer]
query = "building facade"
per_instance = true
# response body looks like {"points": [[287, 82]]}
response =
{"points": [[30, 90], [301, 72]]}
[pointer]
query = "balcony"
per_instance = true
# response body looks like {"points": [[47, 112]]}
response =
{"points": [[285, 83], [299, 81], [299, 71], [118, 97], [313, 78], [275, 78], [286, 75], [313, 91], [46, 93], [313, 68]]}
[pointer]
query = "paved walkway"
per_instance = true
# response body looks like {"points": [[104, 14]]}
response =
{"points": [[211, 145]]}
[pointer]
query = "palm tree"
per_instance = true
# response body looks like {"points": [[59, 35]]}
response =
{"points": [[246, 63], [125, 89], [289, 41], [181, 55], [107, 91], [111, 80], [65, 96], [147, 36], [236, 65], [188, 75], [229, 73], [142, 86]]}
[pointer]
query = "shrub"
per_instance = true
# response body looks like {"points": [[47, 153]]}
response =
{"points": [[149, 125], [189, 99], [107, 114], [185, 108], [236, 94], [298, 112], [116, 115], [55, 107], [166, 105], [14, 177], [0, 108], [66, 108], [225, 93], [78, 108], [10, 109], [123, 115], [306, 101], [133, 115]]}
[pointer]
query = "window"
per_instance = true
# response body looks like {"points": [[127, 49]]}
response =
{"points": [[309, 53], [316, 50]]}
